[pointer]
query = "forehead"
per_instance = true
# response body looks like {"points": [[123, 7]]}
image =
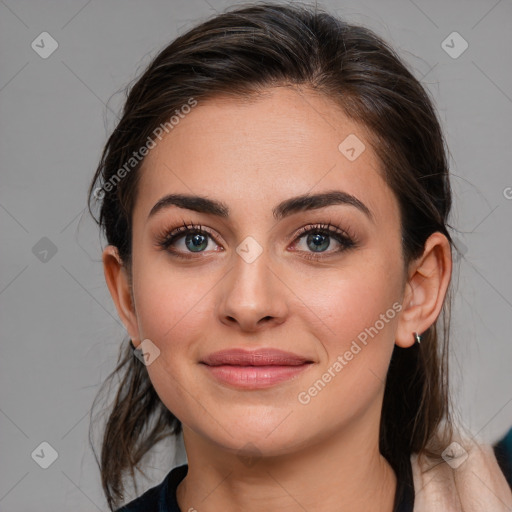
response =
{"points": [[254, 154]]}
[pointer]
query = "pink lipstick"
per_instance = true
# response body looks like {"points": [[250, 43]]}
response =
{"points": [[255, 369]]}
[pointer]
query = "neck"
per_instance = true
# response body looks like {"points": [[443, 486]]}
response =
{"points": [[343, 468]]}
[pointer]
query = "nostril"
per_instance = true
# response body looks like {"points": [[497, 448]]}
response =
{"points": [[266, 319]]}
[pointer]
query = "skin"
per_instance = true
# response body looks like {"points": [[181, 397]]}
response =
{"points": [[251, 156]]}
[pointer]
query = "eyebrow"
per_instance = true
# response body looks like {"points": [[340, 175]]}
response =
{"points": [[284, 209]]}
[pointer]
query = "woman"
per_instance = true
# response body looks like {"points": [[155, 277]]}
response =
{"points": [[275, 199]]}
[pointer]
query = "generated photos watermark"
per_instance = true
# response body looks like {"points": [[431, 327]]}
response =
{"points": [[138, 156], [305, 397]]}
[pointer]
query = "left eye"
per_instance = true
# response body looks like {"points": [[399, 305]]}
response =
{"points": [[318, 240]]}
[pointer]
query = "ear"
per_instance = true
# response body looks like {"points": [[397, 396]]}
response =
{"points": [[116, 276], [425, 289]]}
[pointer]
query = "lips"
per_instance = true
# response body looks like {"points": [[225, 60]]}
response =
{"points": [[262, 357], [252, 370]]}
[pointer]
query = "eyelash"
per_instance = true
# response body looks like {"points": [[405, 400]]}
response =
{"points": [[346, 239]]}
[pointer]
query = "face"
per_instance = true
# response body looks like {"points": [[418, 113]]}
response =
{"points": [[320, 280]]}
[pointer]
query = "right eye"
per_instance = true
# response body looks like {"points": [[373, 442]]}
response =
{"points": [[192, 238]]}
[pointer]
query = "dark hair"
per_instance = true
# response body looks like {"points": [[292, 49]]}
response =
{"points": [[240, 53]]}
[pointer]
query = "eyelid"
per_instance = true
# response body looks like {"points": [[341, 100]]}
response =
{"points": [[329, 228]]}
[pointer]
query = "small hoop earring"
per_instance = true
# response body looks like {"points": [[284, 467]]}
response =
{"points": [[417, 337]]}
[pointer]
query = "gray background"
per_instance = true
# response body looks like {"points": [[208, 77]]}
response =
{"points": [[60, 332]]}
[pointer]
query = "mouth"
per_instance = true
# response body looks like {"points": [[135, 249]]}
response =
{"points": [[254, 369]]}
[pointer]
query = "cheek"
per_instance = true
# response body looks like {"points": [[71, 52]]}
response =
{"points": [[347, 302], [169, 304], [171, 308], [356, 313], [349, 382]]}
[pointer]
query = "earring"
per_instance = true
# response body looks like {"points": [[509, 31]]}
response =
{"points": [[417, 337]]}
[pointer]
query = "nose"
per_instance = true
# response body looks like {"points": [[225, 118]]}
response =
{"points": [[252, 296]]}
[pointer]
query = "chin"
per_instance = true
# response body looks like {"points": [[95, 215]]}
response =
{"points": [[264, 438]]}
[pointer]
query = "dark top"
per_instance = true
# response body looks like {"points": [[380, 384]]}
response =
{"points": [[162, 498], [503, 452]]}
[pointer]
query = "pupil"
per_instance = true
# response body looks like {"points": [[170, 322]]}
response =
{"points": [[197, 241], [320, 241]]}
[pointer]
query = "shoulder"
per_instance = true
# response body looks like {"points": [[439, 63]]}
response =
{"points": [[467, 478], [162, 497]]}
